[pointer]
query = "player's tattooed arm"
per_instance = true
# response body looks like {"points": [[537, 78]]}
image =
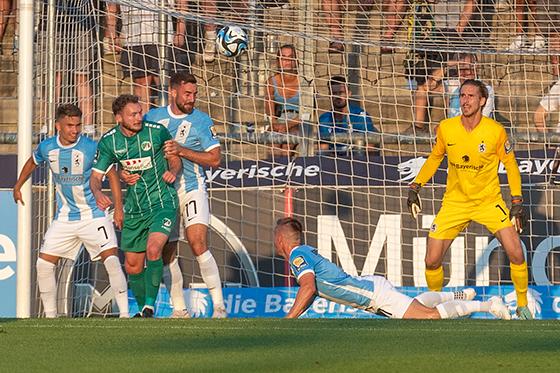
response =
{"points": [[175, 167], [26, 171], [115, 185], [209, 158], [305, 296]]}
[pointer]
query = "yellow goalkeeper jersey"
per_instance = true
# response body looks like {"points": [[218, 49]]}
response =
{"points": [[473, 159]]}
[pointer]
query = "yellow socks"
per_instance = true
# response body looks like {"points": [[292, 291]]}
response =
{"points": [[520, 279], [434, 278]]}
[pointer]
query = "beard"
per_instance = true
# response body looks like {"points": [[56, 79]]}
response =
{"points": [[184, 108]]}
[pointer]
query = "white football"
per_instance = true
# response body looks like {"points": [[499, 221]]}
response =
{"points": [[231, 41]]}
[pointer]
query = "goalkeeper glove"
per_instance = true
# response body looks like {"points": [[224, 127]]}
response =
{"points": [[413, 201], [517, 214]]}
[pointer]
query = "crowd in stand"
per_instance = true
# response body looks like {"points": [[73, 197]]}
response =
{"points": [[134, 35]]}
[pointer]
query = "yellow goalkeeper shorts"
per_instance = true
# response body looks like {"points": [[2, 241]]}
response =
{"points": [[453, 218]]}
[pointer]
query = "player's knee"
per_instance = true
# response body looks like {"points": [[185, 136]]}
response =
{"points": [[199, 248], [133, 268], [432, 263]]}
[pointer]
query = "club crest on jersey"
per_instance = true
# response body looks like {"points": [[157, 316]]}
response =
{"points": [[166, 222], [137, 164], [299, 262], [146, 145], [507, 147], [482, 147], [77, 160]]}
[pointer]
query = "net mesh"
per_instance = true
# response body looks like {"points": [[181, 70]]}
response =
{"points": [[401, 61]]}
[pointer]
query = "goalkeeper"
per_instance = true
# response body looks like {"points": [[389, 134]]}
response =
{"points": [[475, 145], [318, 276]]}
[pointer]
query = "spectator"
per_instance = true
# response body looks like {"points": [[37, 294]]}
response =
{"points": [[74, 54], [549, 103], [333, 17], [424, 23], [282, 99], [450, 88], [344, 117], [138, 45]]}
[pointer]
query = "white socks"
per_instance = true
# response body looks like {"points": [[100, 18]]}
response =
{"points": [[459, 308], [118, 284], [211, 277], [47, 286], [173, 279], [433, 298]]}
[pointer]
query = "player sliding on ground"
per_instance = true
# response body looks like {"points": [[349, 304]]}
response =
{"points": [[318, 276], [475, 145], [80, 218], [151, 203]]}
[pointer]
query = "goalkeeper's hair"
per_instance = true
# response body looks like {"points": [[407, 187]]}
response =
{"points": [[292, 225], [123, 100], [181, 77], [67, 110], [477, 83]]}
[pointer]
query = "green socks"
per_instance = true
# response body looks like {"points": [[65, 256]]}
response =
{"points": [[154, 273]]}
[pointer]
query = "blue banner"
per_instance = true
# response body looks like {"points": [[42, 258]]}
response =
{"points": [[544, 302], [8, 241]]}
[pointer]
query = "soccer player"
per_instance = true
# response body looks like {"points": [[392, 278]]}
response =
{"points": [[80, 217], [196, 143], [151, 203], [475, 145], [318, 276]]}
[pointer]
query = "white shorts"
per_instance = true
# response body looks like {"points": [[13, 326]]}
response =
{"points": [[388, 301], [65, 238], [193, 209]]}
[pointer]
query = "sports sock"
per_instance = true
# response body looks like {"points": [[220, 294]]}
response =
{"points": [[459, 308], [434, 278], [138, 286], [47, 286], [154, 272], [173, 279], [118, 283], [211, 277], [520, 279], [433, 298]]}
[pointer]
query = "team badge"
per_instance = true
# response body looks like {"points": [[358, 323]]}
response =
{"points": [[166, 222], [466, 158], [64, 170], [433, 228], [299, 262], [507, 147], [482, 148], [146, 145], [77, 160]]}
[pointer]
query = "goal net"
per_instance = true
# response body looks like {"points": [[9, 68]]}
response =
{"points": [[401, 66]]}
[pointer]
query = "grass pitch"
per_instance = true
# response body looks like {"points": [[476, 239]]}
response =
{"points": [[264, 345]]}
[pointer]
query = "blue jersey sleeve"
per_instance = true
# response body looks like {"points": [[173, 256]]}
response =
{"points": [[207, 135], [39, 155], [302, 262]]}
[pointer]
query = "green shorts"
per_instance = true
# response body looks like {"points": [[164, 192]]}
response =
{"points": [[136, 230]]}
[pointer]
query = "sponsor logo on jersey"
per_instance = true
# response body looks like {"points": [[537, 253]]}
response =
{"points": [[468, 167], [69, 179], [137, 164], [507, 147], [146, 145], [213, 131], [120, 151], [299, 262]]}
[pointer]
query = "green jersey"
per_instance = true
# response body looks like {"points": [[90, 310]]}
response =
{"points": [[140, 154]]}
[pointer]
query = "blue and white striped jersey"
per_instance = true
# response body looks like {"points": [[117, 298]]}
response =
{"points": [[194, 131], [71, 168], [331, 281]]}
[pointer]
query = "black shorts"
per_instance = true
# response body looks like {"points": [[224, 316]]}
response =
{"points": [[142, 60]]}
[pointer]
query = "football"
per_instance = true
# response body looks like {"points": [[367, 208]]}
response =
{"points": [[232, 41]]}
